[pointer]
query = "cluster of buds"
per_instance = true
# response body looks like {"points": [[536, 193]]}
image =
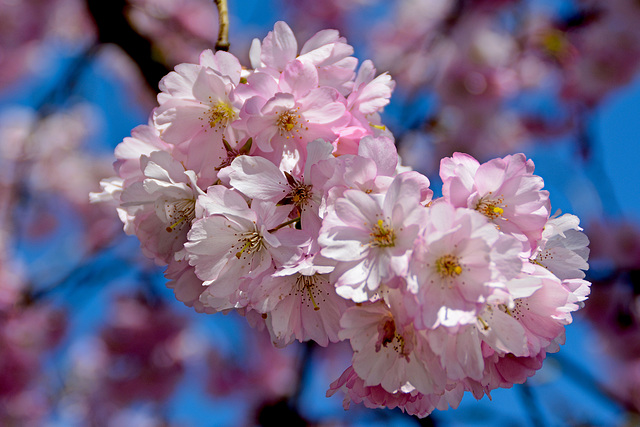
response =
{"points": [[276, 191]]}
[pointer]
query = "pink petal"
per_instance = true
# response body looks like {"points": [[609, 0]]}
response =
{"points": [[299, 78], [279, 47], [258, 178]]}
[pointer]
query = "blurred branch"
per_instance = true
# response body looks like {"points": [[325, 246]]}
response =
{"points": [[20, 192], [63, 90], [113, 27], [287, 410], [223, 19], [533, 405], [454, 16], [84, 271]]}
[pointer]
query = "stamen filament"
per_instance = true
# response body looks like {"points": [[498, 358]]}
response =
{"points": [[252, 243], [313, 301], [246, 245], [485, 325], [175, 224]]}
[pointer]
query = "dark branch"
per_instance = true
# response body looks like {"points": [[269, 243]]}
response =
{"points": [[113, 27]]}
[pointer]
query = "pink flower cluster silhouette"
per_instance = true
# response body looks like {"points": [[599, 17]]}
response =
{"points": [[277, 191]]}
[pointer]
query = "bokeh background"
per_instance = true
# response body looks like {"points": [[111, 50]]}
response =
{"points": [[90, 335]]}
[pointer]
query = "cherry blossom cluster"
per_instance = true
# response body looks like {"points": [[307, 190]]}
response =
{"points": [[495, 66], [276, 191]]}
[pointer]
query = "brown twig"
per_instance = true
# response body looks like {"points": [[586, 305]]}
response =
{"points": [[223, 19]]}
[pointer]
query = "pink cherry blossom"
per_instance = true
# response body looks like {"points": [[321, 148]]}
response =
{"points": [[285, 120], [372, 236], [375, 397], [301, 303], [144, 140], [543, 313], [197, 109], [505, 371], [498, 326], [162, 205], [326, 51], [371, 169], [187, 287], [387, 353], [230, 241], [459, 260], [258, 178], [370, 95], [563, 248], [504, 190]]}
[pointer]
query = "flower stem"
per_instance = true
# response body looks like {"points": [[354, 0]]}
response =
{"points": [[284, 224], [223, 19]]}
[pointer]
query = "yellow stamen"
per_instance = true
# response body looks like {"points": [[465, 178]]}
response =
{"points": [[222, 113], [175, 224], [288, 120], [485, 325], [448, 266], [246, 245], [252, 243], [535, 261], [306, 283], [180, 212], [382, 236], [313, 301], [491, 208], [506, 309]]}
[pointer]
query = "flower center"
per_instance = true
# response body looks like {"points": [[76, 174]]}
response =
{"points": [[382, 235], [448, 266], [287, 122], [220, 114], [251, 242], [491, 208], [179, 212], [308, 284], [299, 193], [389, 337]]}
